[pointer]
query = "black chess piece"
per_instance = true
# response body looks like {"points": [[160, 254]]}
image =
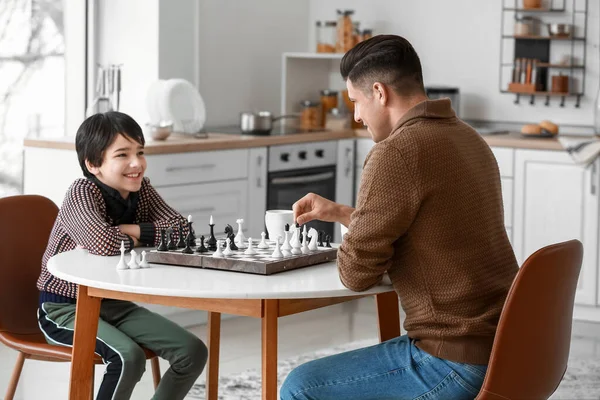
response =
{"points": [[321, 235], [171, 243], [231, 236], [188, 249], [287, 227], [328, 241], [162, 246], [212, 240], [181, 242], [201, 248], [192, 240]]}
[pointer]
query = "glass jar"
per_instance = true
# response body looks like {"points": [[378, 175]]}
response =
{"points": [[336, 120], [329, 100], [310, 117], [345, 31], [326, 36], [367, 34]]}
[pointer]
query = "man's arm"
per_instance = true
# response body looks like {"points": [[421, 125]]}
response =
{"points": [[313, 206], [388, 202]]}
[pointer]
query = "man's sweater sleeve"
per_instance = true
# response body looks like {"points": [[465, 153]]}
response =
{"points": [[388, 201], [82, 218], [156, 215]]}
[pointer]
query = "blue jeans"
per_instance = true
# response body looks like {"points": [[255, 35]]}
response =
{"points": [[395, 369]]}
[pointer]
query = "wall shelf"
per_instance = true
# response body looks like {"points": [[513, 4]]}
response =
{"points": [[536, 10], [535, 37]]}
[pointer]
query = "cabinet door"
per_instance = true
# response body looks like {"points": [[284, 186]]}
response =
{"points": [[557, 200], [344, 184], [257, 191], [225, 201], [363, 146]]}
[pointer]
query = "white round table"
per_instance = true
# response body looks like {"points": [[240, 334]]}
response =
{"points": [[215, 291]]}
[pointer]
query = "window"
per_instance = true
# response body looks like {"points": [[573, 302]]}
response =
{"points": [[41, 42]]}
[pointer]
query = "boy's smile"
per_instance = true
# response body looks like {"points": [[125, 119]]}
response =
{"points": [[123, 166]]}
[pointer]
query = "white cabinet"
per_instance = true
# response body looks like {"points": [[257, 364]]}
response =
{"points": [[257, 191], [505, 158], [363, 146], [344, 185], [557, 200]]}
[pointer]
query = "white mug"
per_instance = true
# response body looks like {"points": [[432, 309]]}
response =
{"points": [[275, 221]]}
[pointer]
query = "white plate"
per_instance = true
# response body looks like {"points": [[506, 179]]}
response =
{"points": [[153, 96], [182, 104]]}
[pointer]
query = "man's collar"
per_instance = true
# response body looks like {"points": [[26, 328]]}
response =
{"points": [[436, 109]]}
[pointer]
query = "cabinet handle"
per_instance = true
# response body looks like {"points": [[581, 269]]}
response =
{"points": [[201, 166], [593, 179], [303, 179], [348, 162], [259, 163]]}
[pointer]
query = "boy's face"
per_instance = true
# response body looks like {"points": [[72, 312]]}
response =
{"points": [[122, 167]]}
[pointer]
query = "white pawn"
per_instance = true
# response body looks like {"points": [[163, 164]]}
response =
{"points": [[240, 239], [121, 264], [314, 237], [263, 243], [228, 250], [144, 263], [133, 263], [286, 241], [250, 250], [305, 249], [295, 242], [277, 252], [219, 252]]}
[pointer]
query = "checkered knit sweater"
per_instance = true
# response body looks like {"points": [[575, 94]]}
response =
{"points": [[430, 213], [83, 221]]}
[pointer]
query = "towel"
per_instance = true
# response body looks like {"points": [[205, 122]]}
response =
{"points": [[582, 150]]}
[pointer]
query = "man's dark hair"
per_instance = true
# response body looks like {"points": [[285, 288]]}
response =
{"points": [[98, 132], [388, 59]]}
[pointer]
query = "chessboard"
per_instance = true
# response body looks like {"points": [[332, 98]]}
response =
{"points": [[260, 263]]}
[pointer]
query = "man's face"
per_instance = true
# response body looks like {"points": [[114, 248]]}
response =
{"points": [[123, 166], [369, 111]]}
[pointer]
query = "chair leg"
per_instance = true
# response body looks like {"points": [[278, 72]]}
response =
{"points": [[155, 371], [14, 379], [92, 391]]}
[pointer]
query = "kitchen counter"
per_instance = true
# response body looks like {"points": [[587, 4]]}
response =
{"points": [[218, 141]]}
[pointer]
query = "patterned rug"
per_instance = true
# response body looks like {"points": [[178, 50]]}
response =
{"points": [[581, 381]]}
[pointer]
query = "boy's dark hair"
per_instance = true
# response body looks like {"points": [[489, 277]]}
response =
{"points": [[98, 132], [389, 59]]}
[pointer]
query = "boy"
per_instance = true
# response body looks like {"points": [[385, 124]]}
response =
{"points": [[116, 203]]}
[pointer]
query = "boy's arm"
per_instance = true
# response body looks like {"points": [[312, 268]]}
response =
{"points": [[156, 214], [80, 214]]}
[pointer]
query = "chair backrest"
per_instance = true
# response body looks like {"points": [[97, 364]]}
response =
{"points": [[25, 225], [531, 347]]}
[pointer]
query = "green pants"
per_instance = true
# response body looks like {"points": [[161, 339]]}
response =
{"points": [[122, 329]]}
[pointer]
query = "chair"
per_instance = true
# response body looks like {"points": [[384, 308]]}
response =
{"points": [[531, 347], [25, 225]]}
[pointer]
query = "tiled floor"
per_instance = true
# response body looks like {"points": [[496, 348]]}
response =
{"points": [[240, 347]]}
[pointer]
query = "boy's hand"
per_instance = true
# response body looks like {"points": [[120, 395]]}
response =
{"points": [[313, 206], [132, 230], [136, 242]]}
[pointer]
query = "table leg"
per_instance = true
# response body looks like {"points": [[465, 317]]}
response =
{"points": [[87, 314], [214, 341], [388, 315], [269, 349]]}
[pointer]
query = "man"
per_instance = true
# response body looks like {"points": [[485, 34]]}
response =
{"points": [[429, 213]]}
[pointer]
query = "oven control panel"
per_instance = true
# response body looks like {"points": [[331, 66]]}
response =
{"points": [[302, 155]]}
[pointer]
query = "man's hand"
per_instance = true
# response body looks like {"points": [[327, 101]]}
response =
{"points": [[313, 206]]}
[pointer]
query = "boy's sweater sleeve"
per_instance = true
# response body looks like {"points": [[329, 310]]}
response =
{"points": [[82, 218], [155, 215]]}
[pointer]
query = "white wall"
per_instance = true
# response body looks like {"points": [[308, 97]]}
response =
{"points": [[241, 43], [459, 44]]}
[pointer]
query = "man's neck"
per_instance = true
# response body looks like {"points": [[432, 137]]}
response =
{"points": [[403, 105]]}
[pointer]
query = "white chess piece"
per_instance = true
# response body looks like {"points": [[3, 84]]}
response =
{"points": [[250, 250], [286, 241], [121, 264], [219, 252], [277, 252], [314, 237], [263, 243], [133, 263], [304, 248], [144, 263], [228, 250], [240, 239], [295, 242]]}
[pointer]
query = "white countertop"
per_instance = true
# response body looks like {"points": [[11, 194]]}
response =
{"points": [[316, 281]]}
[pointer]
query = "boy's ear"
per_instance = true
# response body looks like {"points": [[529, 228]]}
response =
{"points": [[93, 170]]}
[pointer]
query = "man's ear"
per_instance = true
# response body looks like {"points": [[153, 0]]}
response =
{"points": [[93, 170], [380, 91]]}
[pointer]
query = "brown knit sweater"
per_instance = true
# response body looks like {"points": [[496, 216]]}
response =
{"points": [[429, 212]]}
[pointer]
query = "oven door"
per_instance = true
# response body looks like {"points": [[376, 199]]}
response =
{"points": [[284, 188]]}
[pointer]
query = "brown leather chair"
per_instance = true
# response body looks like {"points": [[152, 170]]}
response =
{"points": [[25, 225], [531, 348]]}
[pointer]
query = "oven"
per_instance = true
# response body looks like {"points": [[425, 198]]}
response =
{"points": [[297, 169]]}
